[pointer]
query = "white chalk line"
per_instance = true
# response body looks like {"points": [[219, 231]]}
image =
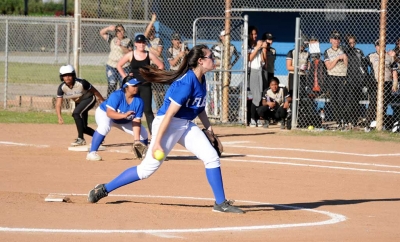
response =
{"points": [[334, 218], [306, 159], [309, 165], [22, 144], [313, 151]]}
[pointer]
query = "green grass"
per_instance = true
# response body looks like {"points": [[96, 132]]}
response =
{"points": [[48, 74], [37, 117]]}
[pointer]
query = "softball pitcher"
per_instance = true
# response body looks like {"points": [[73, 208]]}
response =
{"points": [[123, 109], [184, 101]]}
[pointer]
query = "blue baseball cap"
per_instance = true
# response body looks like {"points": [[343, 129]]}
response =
{"points": [[131, 82]]}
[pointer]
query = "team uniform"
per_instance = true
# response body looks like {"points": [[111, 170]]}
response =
{"points": [[303, 63], [356, 80], [84, 101], [336, 85], [117, 102], [279, 97], [190, 95], [390, 66]]}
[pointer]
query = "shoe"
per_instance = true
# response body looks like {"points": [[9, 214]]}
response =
{"points": [[282, 124], [93, 156], [253, 123], [260, 123], [266, 124], [226, 207], [78, 142], [98, 192]]}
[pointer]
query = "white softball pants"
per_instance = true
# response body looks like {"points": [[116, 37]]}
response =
{"points": [[185, 133], [104, 124]]}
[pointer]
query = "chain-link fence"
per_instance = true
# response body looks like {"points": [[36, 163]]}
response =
{"points": [[36, 47]]}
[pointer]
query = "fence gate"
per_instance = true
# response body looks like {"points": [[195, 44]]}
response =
{"points": [[220, 108]]}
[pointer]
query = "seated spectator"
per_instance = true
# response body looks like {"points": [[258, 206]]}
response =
{"points": [[274, 103]]}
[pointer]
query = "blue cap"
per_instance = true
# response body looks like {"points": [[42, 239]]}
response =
{"points": [[131, 82]]}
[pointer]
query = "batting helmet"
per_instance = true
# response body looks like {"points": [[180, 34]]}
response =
{"points": [[65, 70]]}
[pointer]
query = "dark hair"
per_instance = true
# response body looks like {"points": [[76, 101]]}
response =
{"points": [[152, 74], [251, 28], [274, 79], [119, 25], [351, 36]]}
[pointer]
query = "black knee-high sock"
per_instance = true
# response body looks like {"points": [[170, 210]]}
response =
{"points": [[79, 125]]}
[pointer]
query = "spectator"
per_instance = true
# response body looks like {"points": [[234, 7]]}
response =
{"points": [[83, 94], [275, 103], [155, 46], [336, 62], [255, 81], [269, 57], [356, 77], [303, 63], [390, 80], [218, 52], [119, 46], [176, 52], [140, 58]]}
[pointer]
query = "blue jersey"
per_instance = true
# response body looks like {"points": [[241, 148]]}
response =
{"points": [[188, 93], [117, 102]]}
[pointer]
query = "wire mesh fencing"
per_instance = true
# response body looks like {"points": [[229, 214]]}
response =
{"points": [[329, 97]]}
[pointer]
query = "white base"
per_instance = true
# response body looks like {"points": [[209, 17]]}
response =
{"points": [[57, 198], [84, 148]]}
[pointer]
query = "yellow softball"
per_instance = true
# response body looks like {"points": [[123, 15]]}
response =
{"points": [[159, 155]]}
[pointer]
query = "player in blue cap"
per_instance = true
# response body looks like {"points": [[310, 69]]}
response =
{"points": [[124, 110], [184, 101]]}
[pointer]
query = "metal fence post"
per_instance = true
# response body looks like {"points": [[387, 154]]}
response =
{"points": [[296, 73]]}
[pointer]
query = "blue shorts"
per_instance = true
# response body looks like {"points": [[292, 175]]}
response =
{"points": [[113, 75]]}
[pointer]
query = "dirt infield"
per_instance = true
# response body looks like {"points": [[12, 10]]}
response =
{"points": [[293, 188]]}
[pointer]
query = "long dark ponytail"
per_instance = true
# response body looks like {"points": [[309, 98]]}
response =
{"points": [[154, 75]]}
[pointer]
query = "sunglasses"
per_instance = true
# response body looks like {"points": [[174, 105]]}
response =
{"points": [[209, 57], [119, 30]]}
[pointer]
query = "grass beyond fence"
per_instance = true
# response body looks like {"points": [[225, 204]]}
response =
{"points": [[48, 74]]}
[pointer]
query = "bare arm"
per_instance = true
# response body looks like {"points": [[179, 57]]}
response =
{"points": [[136, 125], [156, 51], [148, 28], [253, 54], [103, 31], [395, 81], [126, 58], [205, 121], [115, 115], [58, 110], [331, 63], [156, 61], [97, 94], [289, 65], [175, 61]]}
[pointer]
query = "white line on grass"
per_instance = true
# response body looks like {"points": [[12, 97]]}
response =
{"points": [[333, 218]]}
